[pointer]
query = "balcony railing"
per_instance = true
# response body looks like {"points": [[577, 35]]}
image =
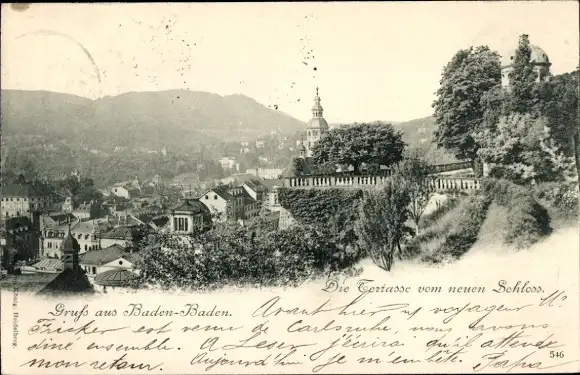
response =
{"points": [[439, 183]]}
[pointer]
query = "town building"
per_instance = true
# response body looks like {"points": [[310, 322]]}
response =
{"points": [[123, 236], [228, 163], [188, 216], [86, 233], [114, 257], [265, 173], [68, 205], [19, 199], [221, 203]]}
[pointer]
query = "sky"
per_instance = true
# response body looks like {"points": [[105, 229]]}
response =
{"points": [[371, 61]]}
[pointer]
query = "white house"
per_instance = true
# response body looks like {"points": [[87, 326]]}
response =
{"points": [[95, 262]]}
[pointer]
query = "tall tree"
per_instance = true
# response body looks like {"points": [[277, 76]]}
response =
{"points": [[381, 227], [459, 109], [561, 109], [524, 93], [415, 172], [358, 144]]}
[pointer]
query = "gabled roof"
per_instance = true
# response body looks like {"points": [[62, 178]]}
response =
{"points": [[160, 221], [221, 191], [49, 264], [122, 233], [256, 185], [103, 256], [66, 282], [190, 205], [118, 277]]}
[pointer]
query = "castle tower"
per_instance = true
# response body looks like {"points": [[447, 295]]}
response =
{"points": [[538, 58], [316, 127]]}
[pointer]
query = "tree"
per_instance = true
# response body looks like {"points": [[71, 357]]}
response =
{"points": [[381, 227], [356, 144], [415, 172], [519, 149], [298, 166], [459, 108], [524, 93], [561, 109]]}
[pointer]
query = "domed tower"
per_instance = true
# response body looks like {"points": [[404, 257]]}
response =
{"points": [[538, 58], [316, 126], [70, 248]]}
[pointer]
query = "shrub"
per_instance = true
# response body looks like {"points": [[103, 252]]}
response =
{"points": [[563, 196], [228, 255], [464, 233], [528, 221]]}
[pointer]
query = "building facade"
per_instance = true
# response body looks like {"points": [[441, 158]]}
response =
{"points": [[21, 199], [188, 216]]}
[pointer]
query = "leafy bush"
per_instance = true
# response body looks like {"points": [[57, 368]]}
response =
{"points": [[228, 255], [528, 221], [563, 196]]}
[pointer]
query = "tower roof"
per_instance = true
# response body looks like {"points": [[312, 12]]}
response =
{"points": [[537, 57], [317, 123], [70, 244]]}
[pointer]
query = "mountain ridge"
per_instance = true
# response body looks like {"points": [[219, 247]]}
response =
{"points": [[183, 120]]}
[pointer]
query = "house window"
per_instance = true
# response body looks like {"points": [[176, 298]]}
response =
{"points": [[181, 224], [85, 247], [215, 197], [206, 197], [120, 262], [94, 270]]}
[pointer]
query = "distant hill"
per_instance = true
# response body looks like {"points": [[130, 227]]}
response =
{"points": [[176, 118], [418, 133]]}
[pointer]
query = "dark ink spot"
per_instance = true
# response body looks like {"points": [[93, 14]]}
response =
{"points": [[315, 68], [20, 7]]}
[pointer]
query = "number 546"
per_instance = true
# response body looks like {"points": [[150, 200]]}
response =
{"points": [[554, 354]]}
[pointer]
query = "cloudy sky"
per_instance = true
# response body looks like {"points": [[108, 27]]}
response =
{"points": [[370, 60]]}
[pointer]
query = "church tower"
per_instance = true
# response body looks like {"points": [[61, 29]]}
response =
{"points": [[316, 127]]}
